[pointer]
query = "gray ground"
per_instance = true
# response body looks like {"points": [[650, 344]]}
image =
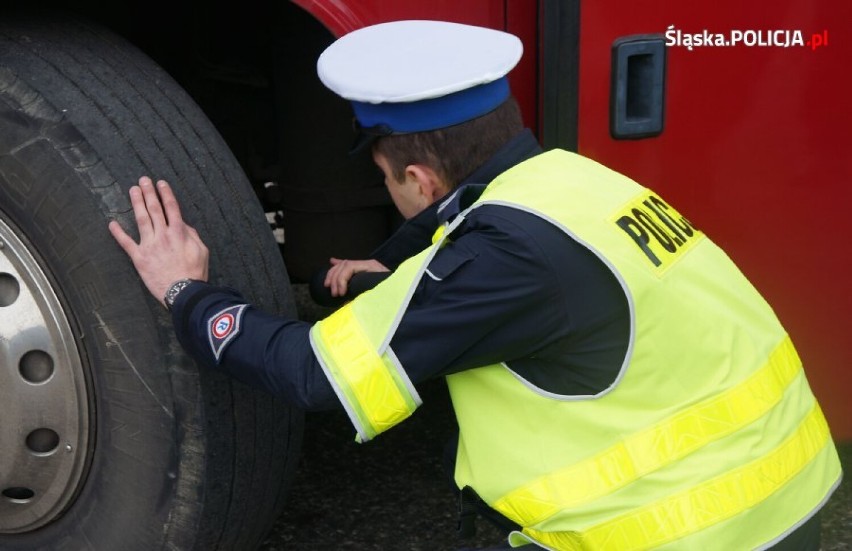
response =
{"points": [[392, 493]]}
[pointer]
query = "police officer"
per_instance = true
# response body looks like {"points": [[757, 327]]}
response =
{"points": [[618, 383]]}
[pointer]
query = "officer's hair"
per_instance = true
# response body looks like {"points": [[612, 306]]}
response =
{"points": [[456, 151]]}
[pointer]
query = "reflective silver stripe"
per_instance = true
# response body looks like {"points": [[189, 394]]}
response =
{"points": [[565, 397], [404, 304], [630, 305], [391, 355]]}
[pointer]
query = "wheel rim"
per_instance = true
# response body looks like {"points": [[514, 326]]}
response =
{"points": [[43, 395]]}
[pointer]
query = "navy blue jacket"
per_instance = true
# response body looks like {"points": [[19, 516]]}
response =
{"points": [[510, 287]]}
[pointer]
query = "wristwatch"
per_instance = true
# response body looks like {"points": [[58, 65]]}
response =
{"points": [[174, 290]]}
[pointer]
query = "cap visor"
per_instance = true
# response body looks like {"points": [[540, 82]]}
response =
{"points": [[363, 141]]}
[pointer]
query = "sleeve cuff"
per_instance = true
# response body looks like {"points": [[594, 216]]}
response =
{"points": [[189, 298]]}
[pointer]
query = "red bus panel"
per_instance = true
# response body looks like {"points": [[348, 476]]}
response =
{"points": [[755, 151]]}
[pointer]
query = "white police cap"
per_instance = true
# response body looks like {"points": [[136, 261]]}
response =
{"points": [[413, 76]]}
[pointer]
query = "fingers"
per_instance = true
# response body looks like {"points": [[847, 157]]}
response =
{"points": [[331, 281], [329, 275], [152, 203], [124, 241], [170, 204], [140, 212], [154, 207], [338, 277], [167, 249]]}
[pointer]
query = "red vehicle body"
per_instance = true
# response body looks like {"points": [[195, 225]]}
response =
{"points": [[110, 436], [755, 147]]}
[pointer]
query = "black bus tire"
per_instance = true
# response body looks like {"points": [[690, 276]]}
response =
{"points": [[155, 453]]}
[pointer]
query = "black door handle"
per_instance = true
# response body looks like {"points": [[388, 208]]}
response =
{"points": [[637, 96]]}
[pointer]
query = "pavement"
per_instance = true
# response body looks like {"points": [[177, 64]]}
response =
{"points": [[392, 493]]}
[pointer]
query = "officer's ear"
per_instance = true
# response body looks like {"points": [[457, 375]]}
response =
{"points": [[430, 185]]}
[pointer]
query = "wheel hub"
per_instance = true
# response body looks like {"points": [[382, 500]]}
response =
{"points": [[43, 397]]}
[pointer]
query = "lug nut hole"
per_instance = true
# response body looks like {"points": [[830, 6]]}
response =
{"points": [[9, 289], [36, 366], [42, 441], [18, 494]]}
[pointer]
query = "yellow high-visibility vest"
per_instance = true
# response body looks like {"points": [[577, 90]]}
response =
{"points": [[709, 438]]}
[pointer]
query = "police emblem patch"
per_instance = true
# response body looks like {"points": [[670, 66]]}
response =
{"points": [[223, 327]]}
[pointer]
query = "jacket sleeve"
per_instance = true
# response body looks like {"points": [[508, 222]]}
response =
{"points": [[221, 331], [485, 298]]}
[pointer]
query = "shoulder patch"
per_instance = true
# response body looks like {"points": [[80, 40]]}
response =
{"points": [[223, 327]]}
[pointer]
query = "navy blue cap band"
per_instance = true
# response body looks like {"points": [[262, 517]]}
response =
{"points": [[432, 114]]}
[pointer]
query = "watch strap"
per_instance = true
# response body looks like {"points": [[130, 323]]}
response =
{"points": [[174, 290]]}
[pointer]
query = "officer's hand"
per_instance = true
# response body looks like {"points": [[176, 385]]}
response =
{"points": [[168, 249], [341, 271]]}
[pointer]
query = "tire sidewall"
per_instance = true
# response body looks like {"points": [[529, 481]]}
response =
{"points": [[183, 459], [134, 420]]}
